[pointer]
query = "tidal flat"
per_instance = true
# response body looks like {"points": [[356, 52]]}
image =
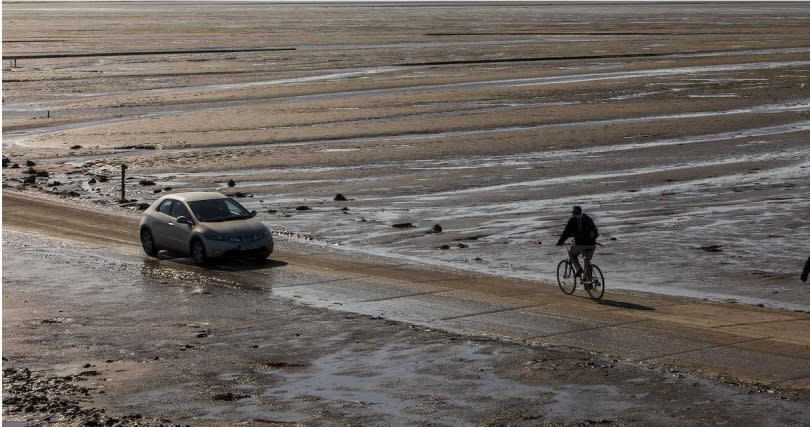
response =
{"points": [[675, 126]]}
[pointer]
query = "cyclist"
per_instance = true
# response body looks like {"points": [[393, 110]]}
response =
{"points": [[806, 270], [582, 228]]}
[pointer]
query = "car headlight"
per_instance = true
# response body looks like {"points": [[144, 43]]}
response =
{"points": [[214, 236]]}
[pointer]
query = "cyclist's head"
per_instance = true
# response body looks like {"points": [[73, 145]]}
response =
{"points": [[576, 210]]}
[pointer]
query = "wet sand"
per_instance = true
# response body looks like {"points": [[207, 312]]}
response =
{"points": [[676, 126]]}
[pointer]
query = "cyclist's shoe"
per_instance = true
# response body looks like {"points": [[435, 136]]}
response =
{"points": [[587, 284]]}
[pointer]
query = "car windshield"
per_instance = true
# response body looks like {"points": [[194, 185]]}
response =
{"points": [[214, 210]]}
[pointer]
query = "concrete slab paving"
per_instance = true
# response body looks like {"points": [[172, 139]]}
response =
{"points": [[714, 315], [794, 331], [423, 309], [351, 290], [523, 324], [745, 360], [493, 286], [639, 339]]}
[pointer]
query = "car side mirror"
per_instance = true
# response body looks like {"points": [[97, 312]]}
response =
{"points": [[252, 214], [184, 220]]}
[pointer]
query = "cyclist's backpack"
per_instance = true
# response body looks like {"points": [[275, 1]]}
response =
{"points": [[588, 231]]}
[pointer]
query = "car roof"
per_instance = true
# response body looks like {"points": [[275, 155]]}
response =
{"points": [[196, 195]]}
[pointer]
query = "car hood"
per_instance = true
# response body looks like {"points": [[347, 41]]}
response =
{"points": [[240, 226]]}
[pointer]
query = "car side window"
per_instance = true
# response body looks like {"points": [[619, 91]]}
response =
{"points": [[179, 210], [165, 207]]}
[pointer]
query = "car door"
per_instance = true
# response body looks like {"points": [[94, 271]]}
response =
{"points": [[160, 226], [178, 234]]}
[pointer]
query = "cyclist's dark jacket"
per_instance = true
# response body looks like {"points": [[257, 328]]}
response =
{"points": [[582, 229]]}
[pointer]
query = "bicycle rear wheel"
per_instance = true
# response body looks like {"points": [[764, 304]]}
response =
{"points": [[597, 287], [566, 279]]}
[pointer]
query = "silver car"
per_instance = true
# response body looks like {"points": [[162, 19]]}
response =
{"points": [[204, 226]]}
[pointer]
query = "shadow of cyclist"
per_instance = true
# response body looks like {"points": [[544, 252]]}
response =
{"points": [[626, 305]]}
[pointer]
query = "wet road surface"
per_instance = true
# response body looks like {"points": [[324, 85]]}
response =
{"points": [[144, 341], [757, 344]]}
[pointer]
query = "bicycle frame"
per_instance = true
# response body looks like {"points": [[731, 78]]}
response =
{"points": [[568, 247]]}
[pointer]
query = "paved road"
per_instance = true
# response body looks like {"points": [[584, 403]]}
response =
{"points": [[743, 342]]}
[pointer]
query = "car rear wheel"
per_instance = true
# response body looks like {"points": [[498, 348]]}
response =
{"points": [[198, 252], [148, 243]]}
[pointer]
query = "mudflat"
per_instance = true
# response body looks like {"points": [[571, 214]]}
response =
{"points": [[679, 128], [676, 127]]}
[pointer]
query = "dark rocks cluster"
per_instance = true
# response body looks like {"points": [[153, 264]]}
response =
{"points": [[436, 229], [37, 178], [38, 173], [30, 176], [28, 396], [458, 245], [292, 235], [230, 397], [138, 147]]}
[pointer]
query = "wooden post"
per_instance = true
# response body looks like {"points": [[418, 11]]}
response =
{"points": [[123, 183]]}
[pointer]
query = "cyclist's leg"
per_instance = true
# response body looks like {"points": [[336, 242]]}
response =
{"points": [[575, 251], [587, 253]]}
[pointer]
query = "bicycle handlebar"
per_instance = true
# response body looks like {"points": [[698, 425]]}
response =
{"points": [[571, 243]]}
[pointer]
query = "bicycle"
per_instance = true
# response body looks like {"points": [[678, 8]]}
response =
{"points": [[567, 278]]}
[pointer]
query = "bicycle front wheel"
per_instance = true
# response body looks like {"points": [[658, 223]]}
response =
{"points": [[597, 287], [566, 279]]}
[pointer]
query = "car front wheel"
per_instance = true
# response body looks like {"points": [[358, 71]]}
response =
{"points": [[198, 252], [148, 242]]}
